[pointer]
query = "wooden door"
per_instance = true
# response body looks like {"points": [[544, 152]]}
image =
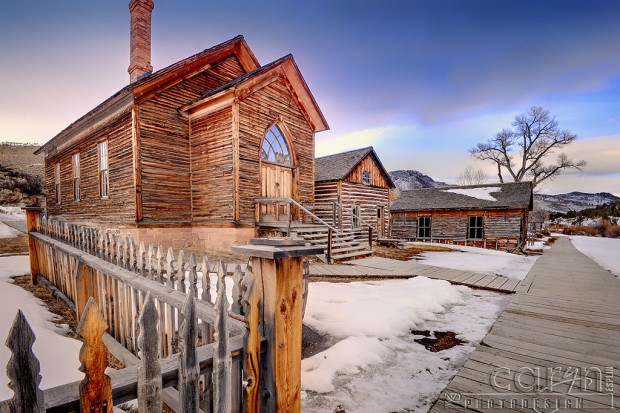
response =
{"points": [[276, 182], [380, 222]]}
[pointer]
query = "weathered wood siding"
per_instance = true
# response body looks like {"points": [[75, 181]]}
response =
{"points": [[368, 198], [120, 206], [212, 166], [325, 194], [367, 164], [164, 143], [257, 113], [453, 225]]}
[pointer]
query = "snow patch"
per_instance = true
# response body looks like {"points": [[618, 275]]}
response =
{"points": [[386, 370], [58, 355], [479, 193], [479, 260], [12, 214], [7, 232], [604, 251]]}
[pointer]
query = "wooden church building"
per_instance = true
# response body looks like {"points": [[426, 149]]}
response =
{"points": [[180, 154]]}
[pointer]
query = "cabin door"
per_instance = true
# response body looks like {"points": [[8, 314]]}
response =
{"points": [[380, 222], [276, 182]]}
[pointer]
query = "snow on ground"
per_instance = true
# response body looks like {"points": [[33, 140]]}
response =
{"points": [[57, 354], [7, 232], [479, 193], [376, 365], [479, 260], [12, 214], [604, 251]]}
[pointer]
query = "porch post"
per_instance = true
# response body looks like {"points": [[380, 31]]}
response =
{"points": [[32, 213], [277, 265]]}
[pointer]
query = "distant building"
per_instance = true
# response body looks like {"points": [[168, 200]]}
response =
{"points": [[490, 215], [354, 189]]}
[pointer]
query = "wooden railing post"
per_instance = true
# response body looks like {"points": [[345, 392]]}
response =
{"points": [[369, 236], [32, 214], [278, 270], [328, 250]]}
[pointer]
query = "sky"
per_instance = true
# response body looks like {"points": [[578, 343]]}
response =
{"points": [[421, 81]]}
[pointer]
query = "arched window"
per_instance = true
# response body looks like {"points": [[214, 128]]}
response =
{"points": [[275, 149]]}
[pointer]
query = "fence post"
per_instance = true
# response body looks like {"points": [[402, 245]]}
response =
{"points": [[32, 214], [277, 265]]}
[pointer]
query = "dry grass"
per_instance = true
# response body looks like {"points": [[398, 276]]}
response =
{"points": [[405, 254], [56, 306], [604, 229], [14, 246]]}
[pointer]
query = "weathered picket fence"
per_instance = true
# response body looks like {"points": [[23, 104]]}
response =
{"points": [[208, 356]]}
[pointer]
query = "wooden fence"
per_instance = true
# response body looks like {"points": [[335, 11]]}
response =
{"points": [[194, 354]]}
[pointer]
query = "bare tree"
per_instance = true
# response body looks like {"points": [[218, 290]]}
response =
{"points": [[522, 150], [472, 176]]}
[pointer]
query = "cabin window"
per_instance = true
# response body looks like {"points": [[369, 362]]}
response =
{"points": [[57, 181], [476, 228], [355, 214], [76, 176], [424, 227], [104, 178], [275, 149], [366, 177]]}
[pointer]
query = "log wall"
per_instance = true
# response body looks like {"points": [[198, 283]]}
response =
{"points": [[212, 166], [501, 227], [271, 104], [164, 143], [120, 205]]}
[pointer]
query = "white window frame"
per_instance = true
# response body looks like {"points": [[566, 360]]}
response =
{"points": [[75, 162], [104, 174], [356, 219], [57, 181], [366, 177]]}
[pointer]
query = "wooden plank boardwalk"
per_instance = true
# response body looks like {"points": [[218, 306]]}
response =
{"points": [[562, 327], [377, 267]]}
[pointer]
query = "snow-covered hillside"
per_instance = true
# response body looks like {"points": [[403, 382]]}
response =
{"points": [[410, 179], [575, 201]]}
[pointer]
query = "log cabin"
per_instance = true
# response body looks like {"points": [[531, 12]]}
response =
{"points": [[490, 215], [180, 155], [352, 191]]}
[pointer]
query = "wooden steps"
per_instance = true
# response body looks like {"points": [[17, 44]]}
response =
{"points": [[345, 246]]}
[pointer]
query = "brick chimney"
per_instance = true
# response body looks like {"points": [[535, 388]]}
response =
{"points": [[140, 45]]}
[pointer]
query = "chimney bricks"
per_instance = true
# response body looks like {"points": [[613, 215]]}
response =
{"points": [[140, 44]]}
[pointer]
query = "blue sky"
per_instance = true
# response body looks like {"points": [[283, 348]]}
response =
{"points": [[421, 81]]}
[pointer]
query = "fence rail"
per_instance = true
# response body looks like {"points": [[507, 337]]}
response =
{"points": [[169, 317]]}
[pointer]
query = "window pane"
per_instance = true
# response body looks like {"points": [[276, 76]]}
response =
{"points": [[275, 149]]}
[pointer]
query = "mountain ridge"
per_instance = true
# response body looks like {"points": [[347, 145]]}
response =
{"points": [[575, 200]]}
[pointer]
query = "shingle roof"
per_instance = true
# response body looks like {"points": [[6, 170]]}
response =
{"points": [[509, 195], [336, 167]]}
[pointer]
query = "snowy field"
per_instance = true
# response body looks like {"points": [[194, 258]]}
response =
{"points": [[12, 214], [479, 260], [375, 365], [604, 251], [57, 354]]}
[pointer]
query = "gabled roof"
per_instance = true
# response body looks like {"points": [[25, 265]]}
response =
{"points": [[161, 78], [513, 195], [285, 67], [336, 167]]}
